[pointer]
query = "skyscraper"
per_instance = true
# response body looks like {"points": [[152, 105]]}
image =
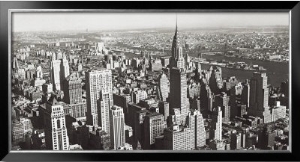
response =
{"points": [[216, 125], [99, 97], [179, 138], [177, 59], [259, 97], [154, 125], [164, 86], [196, 123], [178, 92], [73, 96], [65, 71], [39, 72], [200, 133], [59, 71], [222, 100], [197, 71], [236, 141], [206, 100], [117, 127], [246, 93], [55, 126], [164, 108], [72, 89], [55, 73], [235, 99], [216, 81]]}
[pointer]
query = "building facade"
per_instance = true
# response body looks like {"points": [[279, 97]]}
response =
{"points": [[55, 126], [117, 128], [178, 92], [154, 125], [99, 97], [259, 97]]}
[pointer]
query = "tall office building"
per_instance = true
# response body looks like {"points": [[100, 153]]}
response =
{"points": [[197, 71], [236, 141], [138, 124], [246, 93], [164, 109], [59, 71], [177, 59], [99, 97], [55, 73], [72, 89], [206, 100], [117, 127], [138, 95], [259, 97], [178, 92], [196, 123], [39, 72], [178, 137], [200, 139], [164, 86], [235, 99], [73, 96], [55, 126], [154, 125], [216, 125], [222, 100], [65, 71], [216, 81]]}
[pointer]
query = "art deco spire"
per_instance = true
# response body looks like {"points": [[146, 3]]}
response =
{"points": [[175, 41], [176, 31]]}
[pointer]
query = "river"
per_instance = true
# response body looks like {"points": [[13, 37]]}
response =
{"points": [[277, 72]]}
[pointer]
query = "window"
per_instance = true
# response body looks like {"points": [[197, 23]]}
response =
{"points": [[58, 123]]}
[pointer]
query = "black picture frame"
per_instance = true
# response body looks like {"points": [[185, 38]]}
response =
{"points": [[294, 7]]}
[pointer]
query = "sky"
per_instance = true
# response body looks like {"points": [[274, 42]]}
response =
{"points": [[116, 21]]}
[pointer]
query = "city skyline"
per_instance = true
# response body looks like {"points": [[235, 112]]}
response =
{"points": [[114, 94], [26, 22]]}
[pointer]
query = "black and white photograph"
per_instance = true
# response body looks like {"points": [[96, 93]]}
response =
{"points": [[126, 80]]}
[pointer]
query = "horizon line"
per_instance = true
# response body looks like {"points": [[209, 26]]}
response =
{"points": [[145, 28]]}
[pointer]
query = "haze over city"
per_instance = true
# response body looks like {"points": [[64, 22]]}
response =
{"points": [[115, 21]]}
